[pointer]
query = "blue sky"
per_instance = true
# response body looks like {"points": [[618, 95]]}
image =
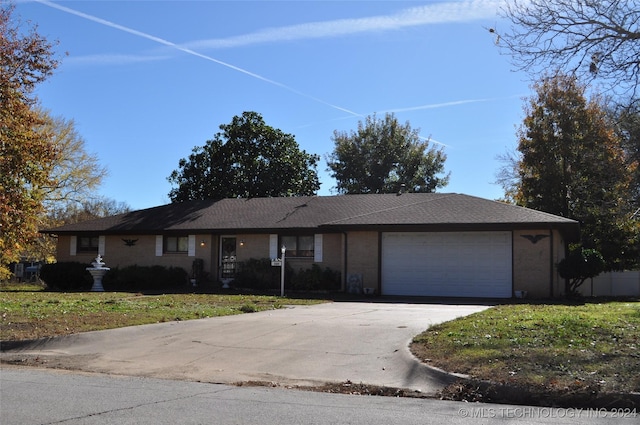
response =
{"points": [[146, 81]]}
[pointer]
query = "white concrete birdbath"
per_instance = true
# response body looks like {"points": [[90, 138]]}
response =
{"points": [[97, 272]]}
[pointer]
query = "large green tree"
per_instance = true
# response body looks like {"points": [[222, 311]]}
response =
{"points": [[383, 156], [26, 154], [246, 159], [571, 163]]}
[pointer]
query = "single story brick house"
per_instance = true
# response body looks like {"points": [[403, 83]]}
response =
{"points": [[416, 244]]}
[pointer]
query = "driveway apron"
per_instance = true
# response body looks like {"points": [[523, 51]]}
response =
{"points": [[302, 345]]}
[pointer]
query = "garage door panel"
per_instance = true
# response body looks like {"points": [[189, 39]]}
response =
{"points": [[462, 264]]}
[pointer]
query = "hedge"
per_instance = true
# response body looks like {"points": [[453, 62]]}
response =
{"points": [[73, 276]]}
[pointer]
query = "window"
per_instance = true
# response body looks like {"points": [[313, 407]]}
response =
{"points": [[298, 246], [176, 244], [88, 243]]}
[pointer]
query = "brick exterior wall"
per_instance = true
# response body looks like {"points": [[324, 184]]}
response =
{"points": [[117, 254], [533, 269], [535, 264], [143, 253], [363, 257]]}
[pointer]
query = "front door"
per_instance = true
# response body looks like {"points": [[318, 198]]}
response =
{"points": [[228, 257]]}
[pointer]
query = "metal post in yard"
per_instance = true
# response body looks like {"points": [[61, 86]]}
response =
{"points": [[282, 251]]}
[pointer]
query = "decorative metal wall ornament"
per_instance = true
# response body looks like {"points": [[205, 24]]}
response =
{"points": [[534, 238], [130, 242]]}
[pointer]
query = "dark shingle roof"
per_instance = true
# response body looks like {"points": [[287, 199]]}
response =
{"points": [[415, 210]]}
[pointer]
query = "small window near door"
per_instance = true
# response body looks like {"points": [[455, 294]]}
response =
{"points": [[88, 243], [176, 244], [298, 246]]}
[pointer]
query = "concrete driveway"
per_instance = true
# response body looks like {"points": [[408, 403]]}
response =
{"points": [[301, 345]]}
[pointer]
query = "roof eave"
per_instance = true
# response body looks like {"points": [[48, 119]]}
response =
{"points": [[569, 229]]}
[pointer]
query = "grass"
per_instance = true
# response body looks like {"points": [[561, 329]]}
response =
{"points": [[595, 346], [28, 312], [591, 347]]}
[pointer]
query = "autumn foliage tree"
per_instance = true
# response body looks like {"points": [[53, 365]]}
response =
{"points": [[628, 126], [246, 159], [571, 162], [71, 193], [76, 173], [26, 155], [384, 155]]}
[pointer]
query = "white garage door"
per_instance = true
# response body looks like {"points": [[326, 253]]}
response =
{"points": [[447, 264]]}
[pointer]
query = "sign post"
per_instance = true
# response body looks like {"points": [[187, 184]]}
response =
{"points": [[282, 251]]}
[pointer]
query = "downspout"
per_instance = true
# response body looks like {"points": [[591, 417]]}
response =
{"points": [[513, 264], [345, 259], [215, 256], [379, 282], [551, 273]]}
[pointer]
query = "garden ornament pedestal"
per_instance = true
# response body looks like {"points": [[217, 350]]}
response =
{"points": [[97, 272]]}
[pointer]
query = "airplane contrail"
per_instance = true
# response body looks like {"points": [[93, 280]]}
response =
{"points": [[433, 13], [440, 105], [191, 52]]}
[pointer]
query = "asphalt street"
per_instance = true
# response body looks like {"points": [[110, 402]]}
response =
{"points": [[32, 396]]}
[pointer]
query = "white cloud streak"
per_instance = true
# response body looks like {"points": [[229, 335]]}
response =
{"points": [[438, 13], [115, 59], [446, 104], [430, 140], [191, 52], [428, 106]]}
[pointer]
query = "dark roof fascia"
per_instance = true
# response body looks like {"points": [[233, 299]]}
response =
{"points": [[229, 231], [571, 231], [55, 232]]}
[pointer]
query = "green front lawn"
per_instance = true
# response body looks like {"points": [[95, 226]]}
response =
{"points": [[594, 346], [36, 314]]}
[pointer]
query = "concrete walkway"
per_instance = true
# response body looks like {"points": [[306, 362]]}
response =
{"points": [[301, 345]]}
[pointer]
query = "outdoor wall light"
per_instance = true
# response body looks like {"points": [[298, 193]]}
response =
{"points": [[241, 242], [202, 243]]}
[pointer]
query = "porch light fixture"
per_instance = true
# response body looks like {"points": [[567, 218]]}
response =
{"points": [[241, 242], [202, 243]]}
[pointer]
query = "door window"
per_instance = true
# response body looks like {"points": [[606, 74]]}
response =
{"points": [[228, 257]]}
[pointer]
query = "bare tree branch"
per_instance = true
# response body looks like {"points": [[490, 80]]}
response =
{"points": [[592, 39]]}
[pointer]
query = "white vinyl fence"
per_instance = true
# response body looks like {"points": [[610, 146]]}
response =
{"points": [[626, 283]]}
